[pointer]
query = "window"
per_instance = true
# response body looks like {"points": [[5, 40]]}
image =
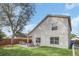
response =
{"points": [[38, 40], [54, 28], [54, 40]]}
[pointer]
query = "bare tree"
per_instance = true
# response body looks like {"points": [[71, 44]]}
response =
{"points": [[15, 16]]}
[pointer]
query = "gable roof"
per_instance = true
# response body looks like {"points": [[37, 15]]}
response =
{"points": [[64, 16]]}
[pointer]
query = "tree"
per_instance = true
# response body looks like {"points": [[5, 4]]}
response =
{"points": [[2, 35], [72, 36], [15, 16]]}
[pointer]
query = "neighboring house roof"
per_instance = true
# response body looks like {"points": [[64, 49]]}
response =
{"points": [[64, 16], [21, 35], [76, 38]]}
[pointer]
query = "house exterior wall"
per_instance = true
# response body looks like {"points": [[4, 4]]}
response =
{"points": [[44, 32]]}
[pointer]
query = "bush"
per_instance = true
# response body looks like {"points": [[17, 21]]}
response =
{"points": [[2, 35]]}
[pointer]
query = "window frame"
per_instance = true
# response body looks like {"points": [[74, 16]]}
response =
{"points": [[38, 40], [51, 41], [55, 40], [54, 27]]}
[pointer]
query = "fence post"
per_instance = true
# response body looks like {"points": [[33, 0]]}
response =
{"points": [[73, 49]]}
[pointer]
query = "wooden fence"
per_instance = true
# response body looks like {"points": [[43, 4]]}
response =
{"points": [[75, 50], [77, 41], [15, 41]]}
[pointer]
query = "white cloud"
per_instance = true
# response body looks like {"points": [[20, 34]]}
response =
{"points": [[75, 25], [69, 6]]}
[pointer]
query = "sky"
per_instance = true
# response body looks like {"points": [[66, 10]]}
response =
{"points": [[43, 9]]}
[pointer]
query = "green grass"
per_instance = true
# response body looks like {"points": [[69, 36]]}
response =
{"points": [[41, 51]]}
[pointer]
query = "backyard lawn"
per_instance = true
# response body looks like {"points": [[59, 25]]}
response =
{"points": [[31, 51]]}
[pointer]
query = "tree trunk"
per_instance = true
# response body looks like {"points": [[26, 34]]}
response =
{"points": [[12, 39]]}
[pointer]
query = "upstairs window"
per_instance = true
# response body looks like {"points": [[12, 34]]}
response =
{"points": [[54, 27]]}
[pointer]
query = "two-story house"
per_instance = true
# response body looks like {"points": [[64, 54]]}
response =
{"points": [[52, 31]]}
